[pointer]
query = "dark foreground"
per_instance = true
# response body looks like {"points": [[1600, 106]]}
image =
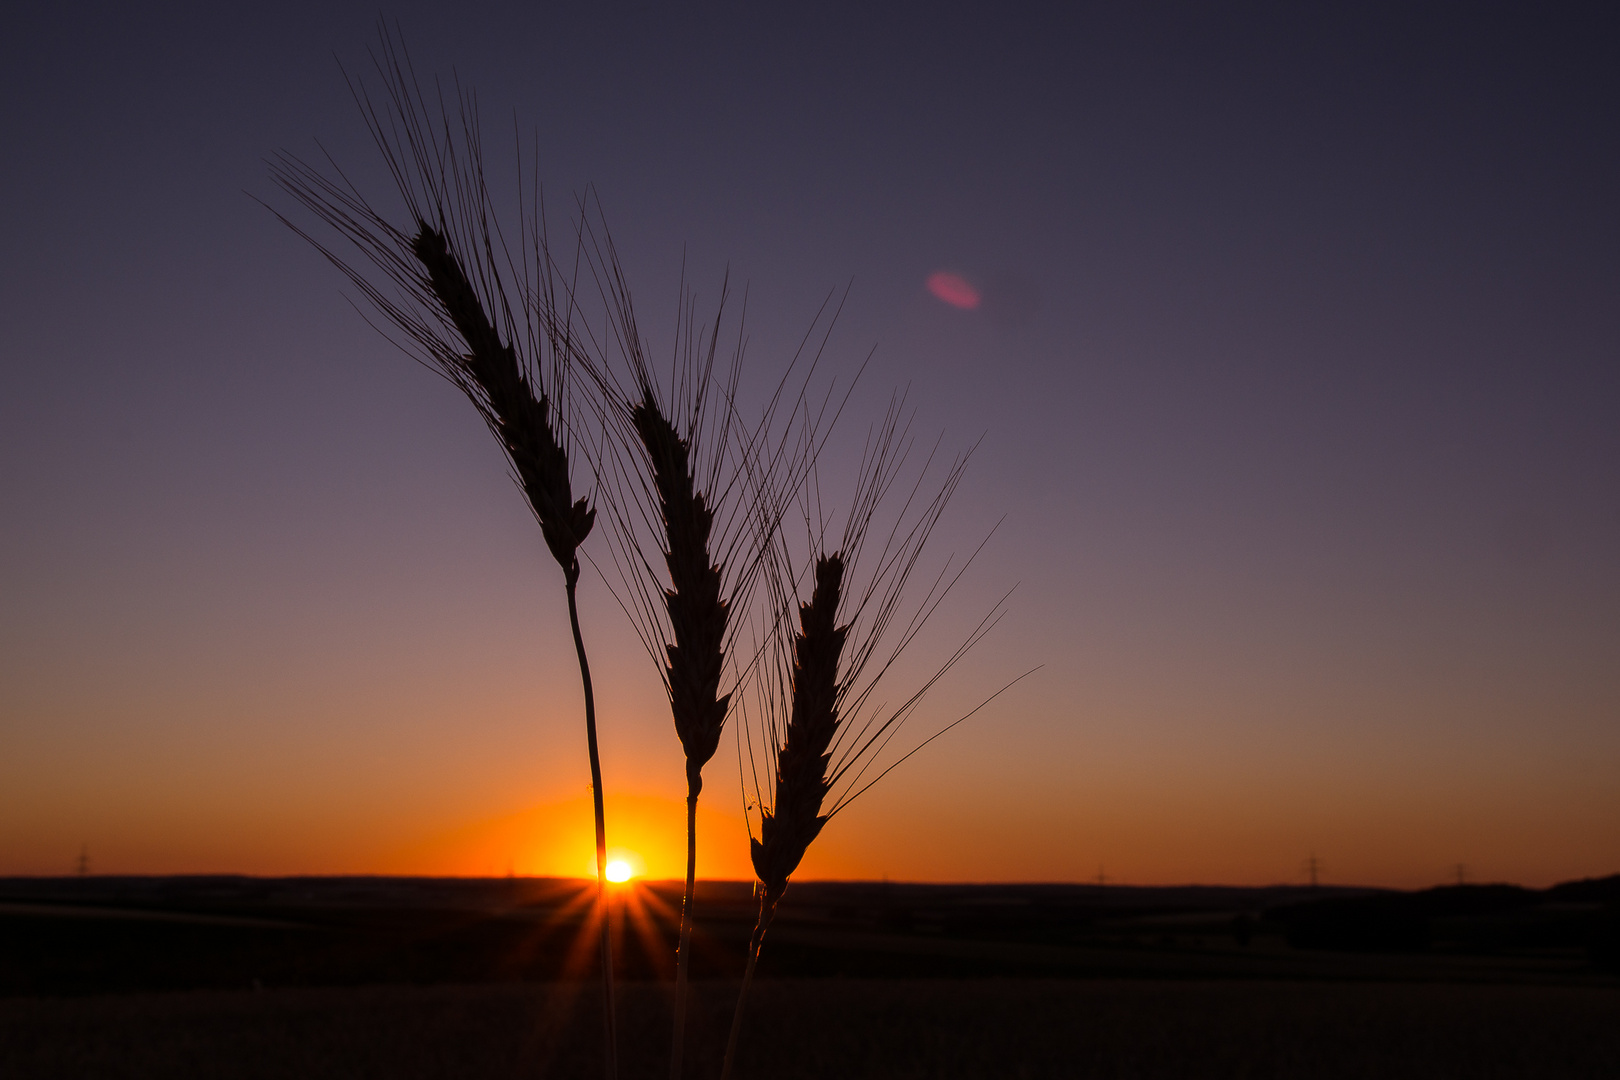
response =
{"points": [[400, 978], [827, 1028], [100, 936]]}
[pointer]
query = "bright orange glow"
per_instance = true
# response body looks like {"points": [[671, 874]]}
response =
{"points": [[622, 865], [647, 832]]}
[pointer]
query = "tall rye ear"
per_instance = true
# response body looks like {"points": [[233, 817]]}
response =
{"points": [[681, 475], [692, 629], [695, 613]]}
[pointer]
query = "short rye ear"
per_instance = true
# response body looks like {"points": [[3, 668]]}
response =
{"points": [[819, 732], [802, 759]]}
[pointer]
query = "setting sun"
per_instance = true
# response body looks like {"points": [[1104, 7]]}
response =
{"points": [[618, 871]]}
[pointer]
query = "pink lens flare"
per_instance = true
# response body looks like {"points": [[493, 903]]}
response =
{"points": [[953, 289]]}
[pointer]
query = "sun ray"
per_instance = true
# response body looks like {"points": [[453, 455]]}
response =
{"points": [[641, 916]]}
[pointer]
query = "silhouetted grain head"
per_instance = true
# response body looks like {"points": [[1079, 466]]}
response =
{"points": [[696, 611], [518, 414], [682, 473], [803, 759], [815, 724], [494, 321], [482, 314], [814, 729]]}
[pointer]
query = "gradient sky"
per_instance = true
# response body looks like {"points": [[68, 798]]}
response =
{"points": [[1296, 356]]}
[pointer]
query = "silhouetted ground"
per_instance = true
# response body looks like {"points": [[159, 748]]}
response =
{"points": [[120, 935], [400, 978], [825, 1028]]}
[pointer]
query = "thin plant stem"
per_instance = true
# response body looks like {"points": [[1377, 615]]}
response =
{"points": [[767, 911], [610, 1024], [683, 953]]}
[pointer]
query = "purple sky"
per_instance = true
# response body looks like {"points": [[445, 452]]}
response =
{"points": [[1296, 362]]}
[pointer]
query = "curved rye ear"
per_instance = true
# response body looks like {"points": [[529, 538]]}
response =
{"points": [[487, 320]]}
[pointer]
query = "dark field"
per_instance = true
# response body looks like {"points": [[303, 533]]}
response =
{"points": [[93, 935], [405, 978], [834, 1028]]}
